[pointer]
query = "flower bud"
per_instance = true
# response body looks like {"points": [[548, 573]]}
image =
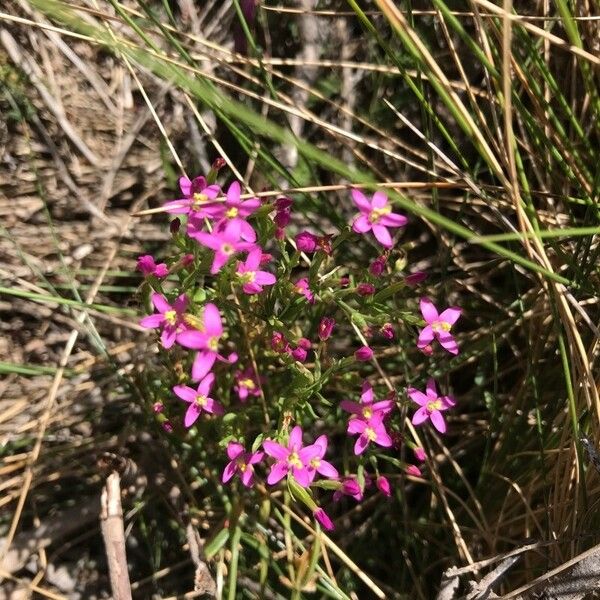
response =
{"points": [[383, 485], [420, 454], [363, 354], [326, 328], [322, 517], [413, 470], [306, 242], [365, 289]]}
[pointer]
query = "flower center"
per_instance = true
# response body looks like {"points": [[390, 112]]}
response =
{"points": [[377, 213], [171, 317], [434, 405], [247, 277], [247, 383], [242, 466], [294, 460], [200, 401], [370, 433], [213, 343], [232, 213], [198, 199], [439, 326], [315, 463], [367, 412], [227, 249]]}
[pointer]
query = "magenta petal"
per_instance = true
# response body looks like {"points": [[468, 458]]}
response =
{"points": [[425, 337], [255, 458], [393, 220], [367, 392], [383, 235], [295, 440], [185, 185], [384, 439], [203, 363], [438, 421], [168, 337], [327, 470], [206, 384], [192, 338], [253, 259], [379, 200], [302, 476], [361, 224], [417, 396], [428, 310], [181, 303], [431, 389], [252, 288], [191, 415], [212, 320], [229, 471], [213, 407], [420, 416], [450, 315], [307, 453], [152, 321], [209, 240], [361, 444], [247, 232], [234, 191], [356, 426], [234, 449], [264, 278], [277, 473], [448, 402], [160, 302], [247, 477], [448, 342], [219, 260], [360, 200], [212, 191], [275, 450], [351, 407], [177, 207], [322, 441], [185, 392]]}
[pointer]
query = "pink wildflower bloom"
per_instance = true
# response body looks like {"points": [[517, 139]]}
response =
{"points": [[283, 215], [438, 326], [306, 242], [278, 342], [372, 430], [301, 286], [293, 458], [224, 242], [363, 354], [431, 405], [246, 384], [148, 266], [283, 203], [241, 462], [350, 487], [367, 408], [326, 328], [377, 267], [413, 470], [300, 352], [197, 194], [420, 454], [207, 341], [248, 273], [198, 400], [387, 331], [376, 216], [365, 289], [169, 317], [323, 518], [235, 209], [383, 485], [415, 278], [317, 464]]}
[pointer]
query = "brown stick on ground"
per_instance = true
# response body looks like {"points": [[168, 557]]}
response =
{"points": [[111, 524]]}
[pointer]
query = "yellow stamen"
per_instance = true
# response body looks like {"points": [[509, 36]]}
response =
{"points": [[247, 383], [213, 343], [371, 434], [367, 413], [232, 213], [198, 199], [294, 460], [171, 317], [377, 213], [434, 405], [200, 401]]}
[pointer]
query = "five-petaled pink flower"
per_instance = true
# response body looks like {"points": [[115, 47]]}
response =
{"points": [[316, 464], [367, 408], [206, 340], [198, 400], [377, 216], [246, 384], [148, 266], [294, 459], [438, 326], [241, 462], [197, 194], [169, 317], [431, 405], [372, 430], [301, 286], [235, 209], [249, 274], [224, 242]]}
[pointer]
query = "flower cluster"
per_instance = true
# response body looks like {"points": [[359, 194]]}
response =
{"points": [[226, 300]]}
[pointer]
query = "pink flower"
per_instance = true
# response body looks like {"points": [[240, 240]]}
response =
{"points": [[301, 286], [377, 216], [170, 318], [387, 331], [246, 384], [235, 209], [224, 242], [317, 464], [197, 194], [293, 458], [306, 242], [383, 485], [363, 354], [413, 470], [438, 326], [158, 407], [322, 517], [431, 405], [372, 430], [283, 215], [377, 267], [198, 400], [324, 244], [206, 340], [415, 278], [420, 454], [326, 328], [248, 272], [241, 462], [350, 487], [365, 289], [367, 408], [147, 266], [279, 343]]}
